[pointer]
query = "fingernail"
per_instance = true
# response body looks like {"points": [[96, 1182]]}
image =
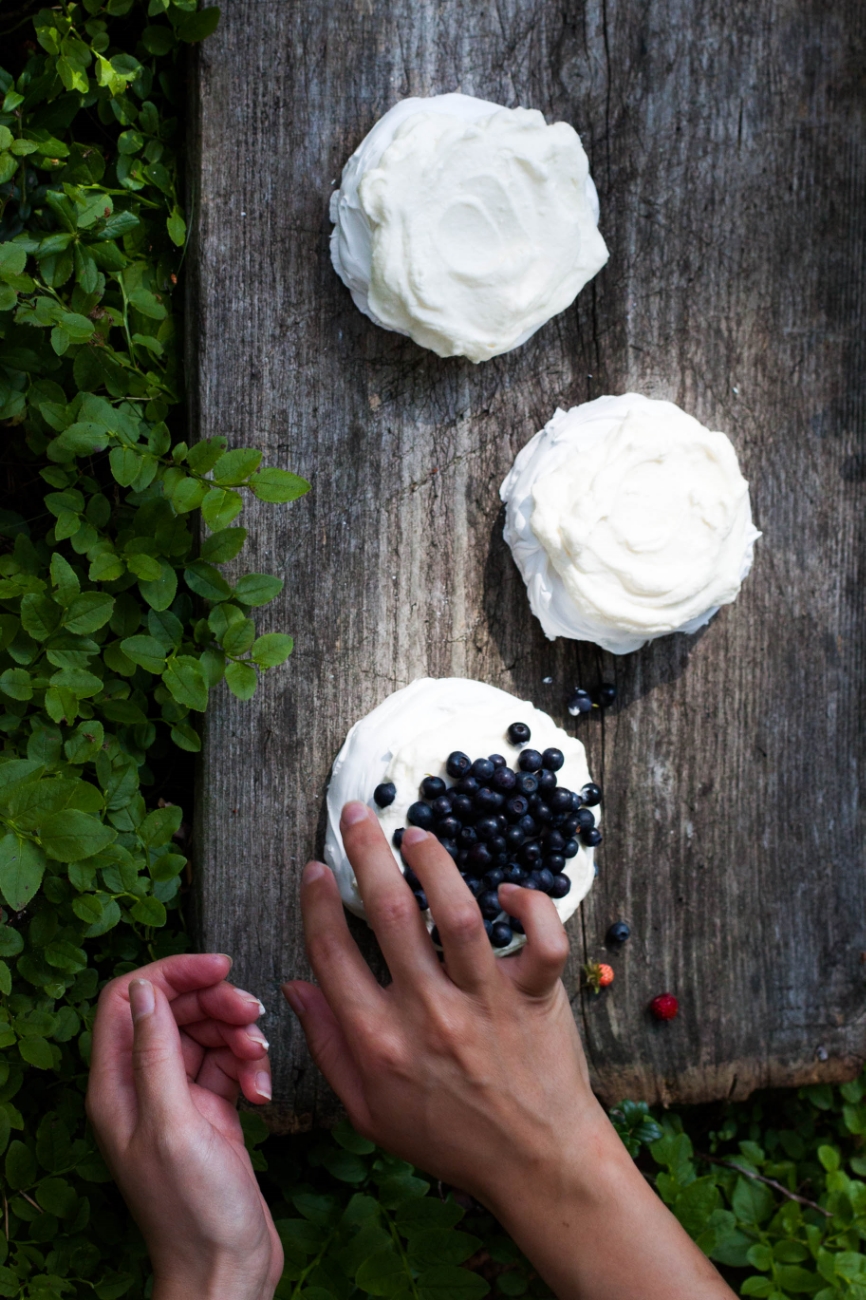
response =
{"points": [[226, 957], [255, 1035], [355, 812], [249, 997], [263, 1085], [508, 890], [413, 835], [295, 998], [313, 871], [141, 999]]}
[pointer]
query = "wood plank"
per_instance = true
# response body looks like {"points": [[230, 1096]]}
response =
{"points": [[727, 145]]}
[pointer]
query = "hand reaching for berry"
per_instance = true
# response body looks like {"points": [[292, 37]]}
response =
{"points": [[173, 1046], [473, 1070]]}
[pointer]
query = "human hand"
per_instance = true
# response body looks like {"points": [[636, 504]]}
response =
{"points": [[472, 1069], [173, 1046]]}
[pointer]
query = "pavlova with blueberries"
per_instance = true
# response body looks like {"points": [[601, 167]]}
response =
{"points": [[505, 790]]}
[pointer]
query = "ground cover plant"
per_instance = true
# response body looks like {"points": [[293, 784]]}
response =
{"points": [[116, 623]]}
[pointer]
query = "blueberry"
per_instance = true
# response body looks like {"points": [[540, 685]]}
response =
{"points": [[385, 794], [503, 779], [561, 886], [499, 846], [458, 764], [501, 823], [493, 878], [606, 695], [519, 733], [517, 926], [442, 805], [560, 800], [462, 855], [569, 848], [432, 787], [485, 801], [555, 862], [479, 856], [497, 800], [421, 899], [473, 884], [489, 904], [514, 874], [570, 825], [540, 811], [585, 819], [553, 841], [461, 806], [591, 794], [529, 854], [618, 932], [411, 879], [547, 782], [517, 807], [500, 935], [468, 785], [497, 760], [450, 846], [448, 829], [529, 761], [528, 825], [486, 828], [434, 935], [531, 881], [591, 838], [482, 770], [526, 783], [488, 927], [514, 837], [467, 837], [580, 702], [545, 880], [420, 814], [397, 837], [552, 759]]}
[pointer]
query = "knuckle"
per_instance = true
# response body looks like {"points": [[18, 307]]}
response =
{"points": [[388, 1055], [395, 910], [464, 923]]}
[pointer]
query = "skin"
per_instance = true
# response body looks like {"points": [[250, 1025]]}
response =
{"points": [[471, 1069]]}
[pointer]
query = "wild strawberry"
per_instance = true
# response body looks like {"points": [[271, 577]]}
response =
{"points": [[598, 975], [665, 1006]]}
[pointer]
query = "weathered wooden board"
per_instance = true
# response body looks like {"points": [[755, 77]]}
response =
{"points": [[727, 142]]}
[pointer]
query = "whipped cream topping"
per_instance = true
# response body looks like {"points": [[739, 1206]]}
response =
{"points": [[466, 225], [410, 735], [628, 520]]}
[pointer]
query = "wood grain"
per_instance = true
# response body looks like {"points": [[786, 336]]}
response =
{"points": [[728, 147]]}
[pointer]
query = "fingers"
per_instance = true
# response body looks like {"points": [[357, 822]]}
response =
{"points": [[328, 1045], [469, 960], [158, 1068], [537, 967], [346, 979], [223, 1074], [247, 1042], [218, 1002]]}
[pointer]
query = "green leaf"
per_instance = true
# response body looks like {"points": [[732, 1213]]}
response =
{"points": [[20, 1165], [197, 26], [72, 835], [22, 866], [185, 679], [345, 1135], [427, 1212], [57, 1197], [242, 680], [206, 581], [235, 467], [88, 612], [278, 485], [149, 911], [40, 616], [223, 546], [64, 578], [829, 1158], [759, 1286], [382, 1273], [145, 651], [257, 588], [160, 825], [272, 649], [220, 506], [37, 1052], [345, 1166], [15, 682], [760, 1257], [799, 1280], [186, 737], [188, 494], [444, 1282], [125, 463], [160, 592], [441, 1246], [238, 638]]}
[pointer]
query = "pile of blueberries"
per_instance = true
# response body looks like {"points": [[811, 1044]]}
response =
{"points": [[503, 826]]}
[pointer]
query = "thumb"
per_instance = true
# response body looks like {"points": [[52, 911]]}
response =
{"points": [[161, 1084]]}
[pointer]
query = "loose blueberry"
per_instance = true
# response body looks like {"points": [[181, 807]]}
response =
{"points": [[500, 935], [497, 800], [555, 862], [501, 823], [460, 859], [450, 846], [540, 811], [497, 760], [385, 794], [420, 814], [560, 800], [434, 935], [421, 899], [530, 853], [488, 927], [591, 794], [517, 926], [486, 828], [442, 805], [485, 801], [531, 881], [561, 886], [432, 787], [479, 856], [547, 782], [552, 759], [618, 932], [591, 838], [461, 806], [467, 785], [585, 819], [449, 828], [493, 878], [528, 825], [570, 848], [467, 837], [517, 807], [514, 874], [411, 879], [580, 702], [519, 733], [499, 846], [458, 764], [482, 770], [489, 904], [527, 783], [529, 761], [397, 837], [503, 779], [545, 880], [570, 825], [606, 695], [514, 837], [553, 841], [474, 885]]}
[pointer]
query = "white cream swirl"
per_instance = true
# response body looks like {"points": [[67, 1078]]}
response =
{"points": [[628, 520], [466, 225], [410, 735]]}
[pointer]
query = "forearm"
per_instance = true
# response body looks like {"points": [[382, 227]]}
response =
{"points": [[218, 1285], [595, 1229]]}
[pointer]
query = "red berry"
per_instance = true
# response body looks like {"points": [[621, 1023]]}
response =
{"points": [[598, 975], [665, 1006]]}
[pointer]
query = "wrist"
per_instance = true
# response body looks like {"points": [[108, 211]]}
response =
{"points": [[221, 1282]]}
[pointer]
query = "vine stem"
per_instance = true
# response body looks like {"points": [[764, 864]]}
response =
{"points": [[770, 1182]]}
